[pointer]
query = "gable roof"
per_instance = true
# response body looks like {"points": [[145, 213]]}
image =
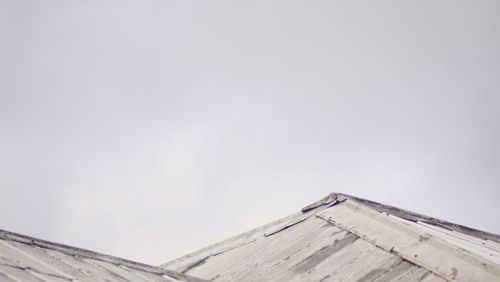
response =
{"points": [[24, 258], [342, 237]]}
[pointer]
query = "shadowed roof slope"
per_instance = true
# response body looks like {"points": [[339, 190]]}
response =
{"points": [[346, 238], [24, 258]]}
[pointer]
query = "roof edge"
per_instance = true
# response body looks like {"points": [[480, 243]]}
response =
{"points": [[405, 214], [74, 251]]}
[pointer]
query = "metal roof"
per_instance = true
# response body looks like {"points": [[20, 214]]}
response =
{"points": [[340, 237], [24, 258], [344, 238]]}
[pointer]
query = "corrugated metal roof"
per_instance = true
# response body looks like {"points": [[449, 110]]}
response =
{"points": [[24, 258], [346, 238], [337, 238]]}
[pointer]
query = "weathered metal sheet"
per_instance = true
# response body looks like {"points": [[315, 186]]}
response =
{"points": [[342, 238], [412, 243], [24, 258], [313, 250]]}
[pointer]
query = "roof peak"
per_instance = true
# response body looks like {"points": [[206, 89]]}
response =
{"points": [[342, 237]]}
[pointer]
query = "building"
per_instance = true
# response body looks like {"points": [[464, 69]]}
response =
{"points": [[339, 238], [344, 238]]}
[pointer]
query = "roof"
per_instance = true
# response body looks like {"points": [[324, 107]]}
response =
{"points": [[24, 258], [342, 237]]}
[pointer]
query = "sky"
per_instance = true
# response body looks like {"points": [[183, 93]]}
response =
{"points": [[150, 129]]}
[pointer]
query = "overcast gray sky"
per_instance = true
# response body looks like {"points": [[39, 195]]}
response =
{"points": [[149, 129]]}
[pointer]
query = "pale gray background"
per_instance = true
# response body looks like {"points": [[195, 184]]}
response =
{"points": [[149, 129]]}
